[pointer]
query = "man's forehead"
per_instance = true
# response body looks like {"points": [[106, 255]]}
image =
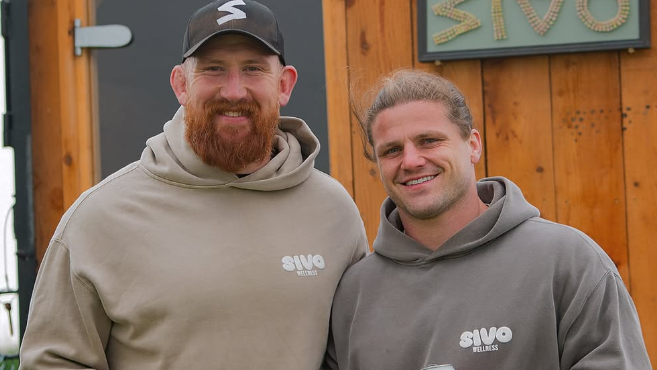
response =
{"points": [[403, 113], [233, 41], [413, 120]]}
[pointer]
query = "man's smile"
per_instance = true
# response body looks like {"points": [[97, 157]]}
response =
{"points": [[420, 180]]}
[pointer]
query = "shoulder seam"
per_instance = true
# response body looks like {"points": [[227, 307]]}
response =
{"points": [[327, 175], [590, 293], [75, 275], [86, 195], [576, 232]]}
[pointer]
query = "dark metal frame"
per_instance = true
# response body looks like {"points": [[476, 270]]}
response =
{"points": [[424, 56], [17, 134]]}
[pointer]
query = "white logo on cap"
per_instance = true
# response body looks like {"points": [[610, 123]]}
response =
{"points": [[234, 13]]}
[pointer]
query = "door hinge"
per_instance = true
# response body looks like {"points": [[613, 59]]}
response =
{"points": [[108, 36]]}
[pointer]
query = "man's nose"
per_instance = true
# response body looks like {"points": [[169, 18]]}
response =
{"points": [[412, 158], [233, 88]]}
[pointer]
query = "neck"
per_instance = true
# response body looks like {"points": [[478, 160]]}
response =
{"points": [[253, 167], [433, 233]]}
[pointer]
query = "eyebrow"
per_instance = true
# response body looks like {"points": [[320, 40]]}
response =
{"points": [[214, 60], [433, 134], [259, 60], [426, 135], [385, 146]]}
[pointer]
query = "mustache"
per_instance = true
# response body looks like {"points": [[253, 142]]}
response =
{"points": [[243, 106]]}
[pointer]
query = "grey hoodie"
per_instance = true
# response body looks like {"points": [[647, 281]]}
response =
{"points": [[172, 264], [508, 291]]}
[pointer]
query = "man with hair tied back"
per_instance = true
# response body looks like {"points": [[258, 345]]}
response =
{"points": [[222, 247], [466, 273]]}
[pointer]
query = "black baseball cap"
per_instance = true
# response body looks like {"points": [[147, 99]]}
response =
{"points": [[245, 17]]}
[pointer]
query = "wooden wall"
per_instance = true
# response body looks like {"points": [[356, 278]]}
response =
{"points": [[63, 108], [63, 99], [577, 132]]}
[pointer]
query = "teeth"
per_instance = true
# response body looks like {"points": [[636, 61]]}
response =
{"points": [[420, 180], [233, 114]]}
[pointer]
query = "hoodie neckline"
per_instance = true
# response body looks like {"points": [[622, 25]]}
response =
{"points": [[507, 209], [169, 157]]}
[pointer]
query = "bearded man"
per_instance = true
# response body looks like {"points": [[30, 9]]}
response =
{"points": [[222, 246]]}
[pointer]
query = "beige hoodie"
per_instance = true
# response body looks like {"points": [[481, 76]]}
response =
{"points": [[172, 264]]}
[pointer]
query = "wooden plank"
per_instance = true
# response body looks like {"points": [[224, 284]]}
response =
{"points": [[46, 129], [639, 98], [519, 127], [90, 61], [588, 149], [76, 119], [466, 75], [68, 117], [337, 93], [378, 42], [61, 141], [85, 94]]}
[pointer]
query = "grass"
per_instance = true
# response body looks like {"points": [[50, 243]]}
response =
{"points": [[8, 362]]}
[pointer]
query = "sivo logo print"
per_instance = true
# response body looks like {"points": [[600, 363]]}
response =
{"points": [[483, 339], [234, 12], [303, 265]]}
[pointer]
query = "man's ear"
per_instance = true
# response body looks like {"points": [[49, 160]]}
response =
{"points": [[475, 146], [287, 81], [179, 84]]}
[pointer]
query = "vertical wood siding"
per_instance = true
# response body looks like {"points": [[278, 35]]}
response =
{"points": [[638, 76], [577, 132], [61, 97]]}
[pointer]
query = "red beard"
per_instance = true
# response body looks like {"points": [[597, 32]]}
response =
{"points": [[222, 147]]}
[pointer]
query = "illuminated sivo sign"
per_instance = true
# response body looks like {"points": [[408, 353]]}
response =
{"points": [[465, 29]]}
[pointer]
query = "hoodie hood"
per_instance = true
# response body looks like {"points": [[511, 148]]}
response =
{"points": [[169, 158], [507, 209]]}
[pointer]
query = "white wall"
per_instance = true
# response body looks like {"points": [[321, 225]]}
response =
{"points": [[8, 275]]}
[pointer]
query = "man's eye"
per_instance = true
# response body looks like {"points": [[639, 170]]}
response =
{"points": [[428, 141], [391, 151]]}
